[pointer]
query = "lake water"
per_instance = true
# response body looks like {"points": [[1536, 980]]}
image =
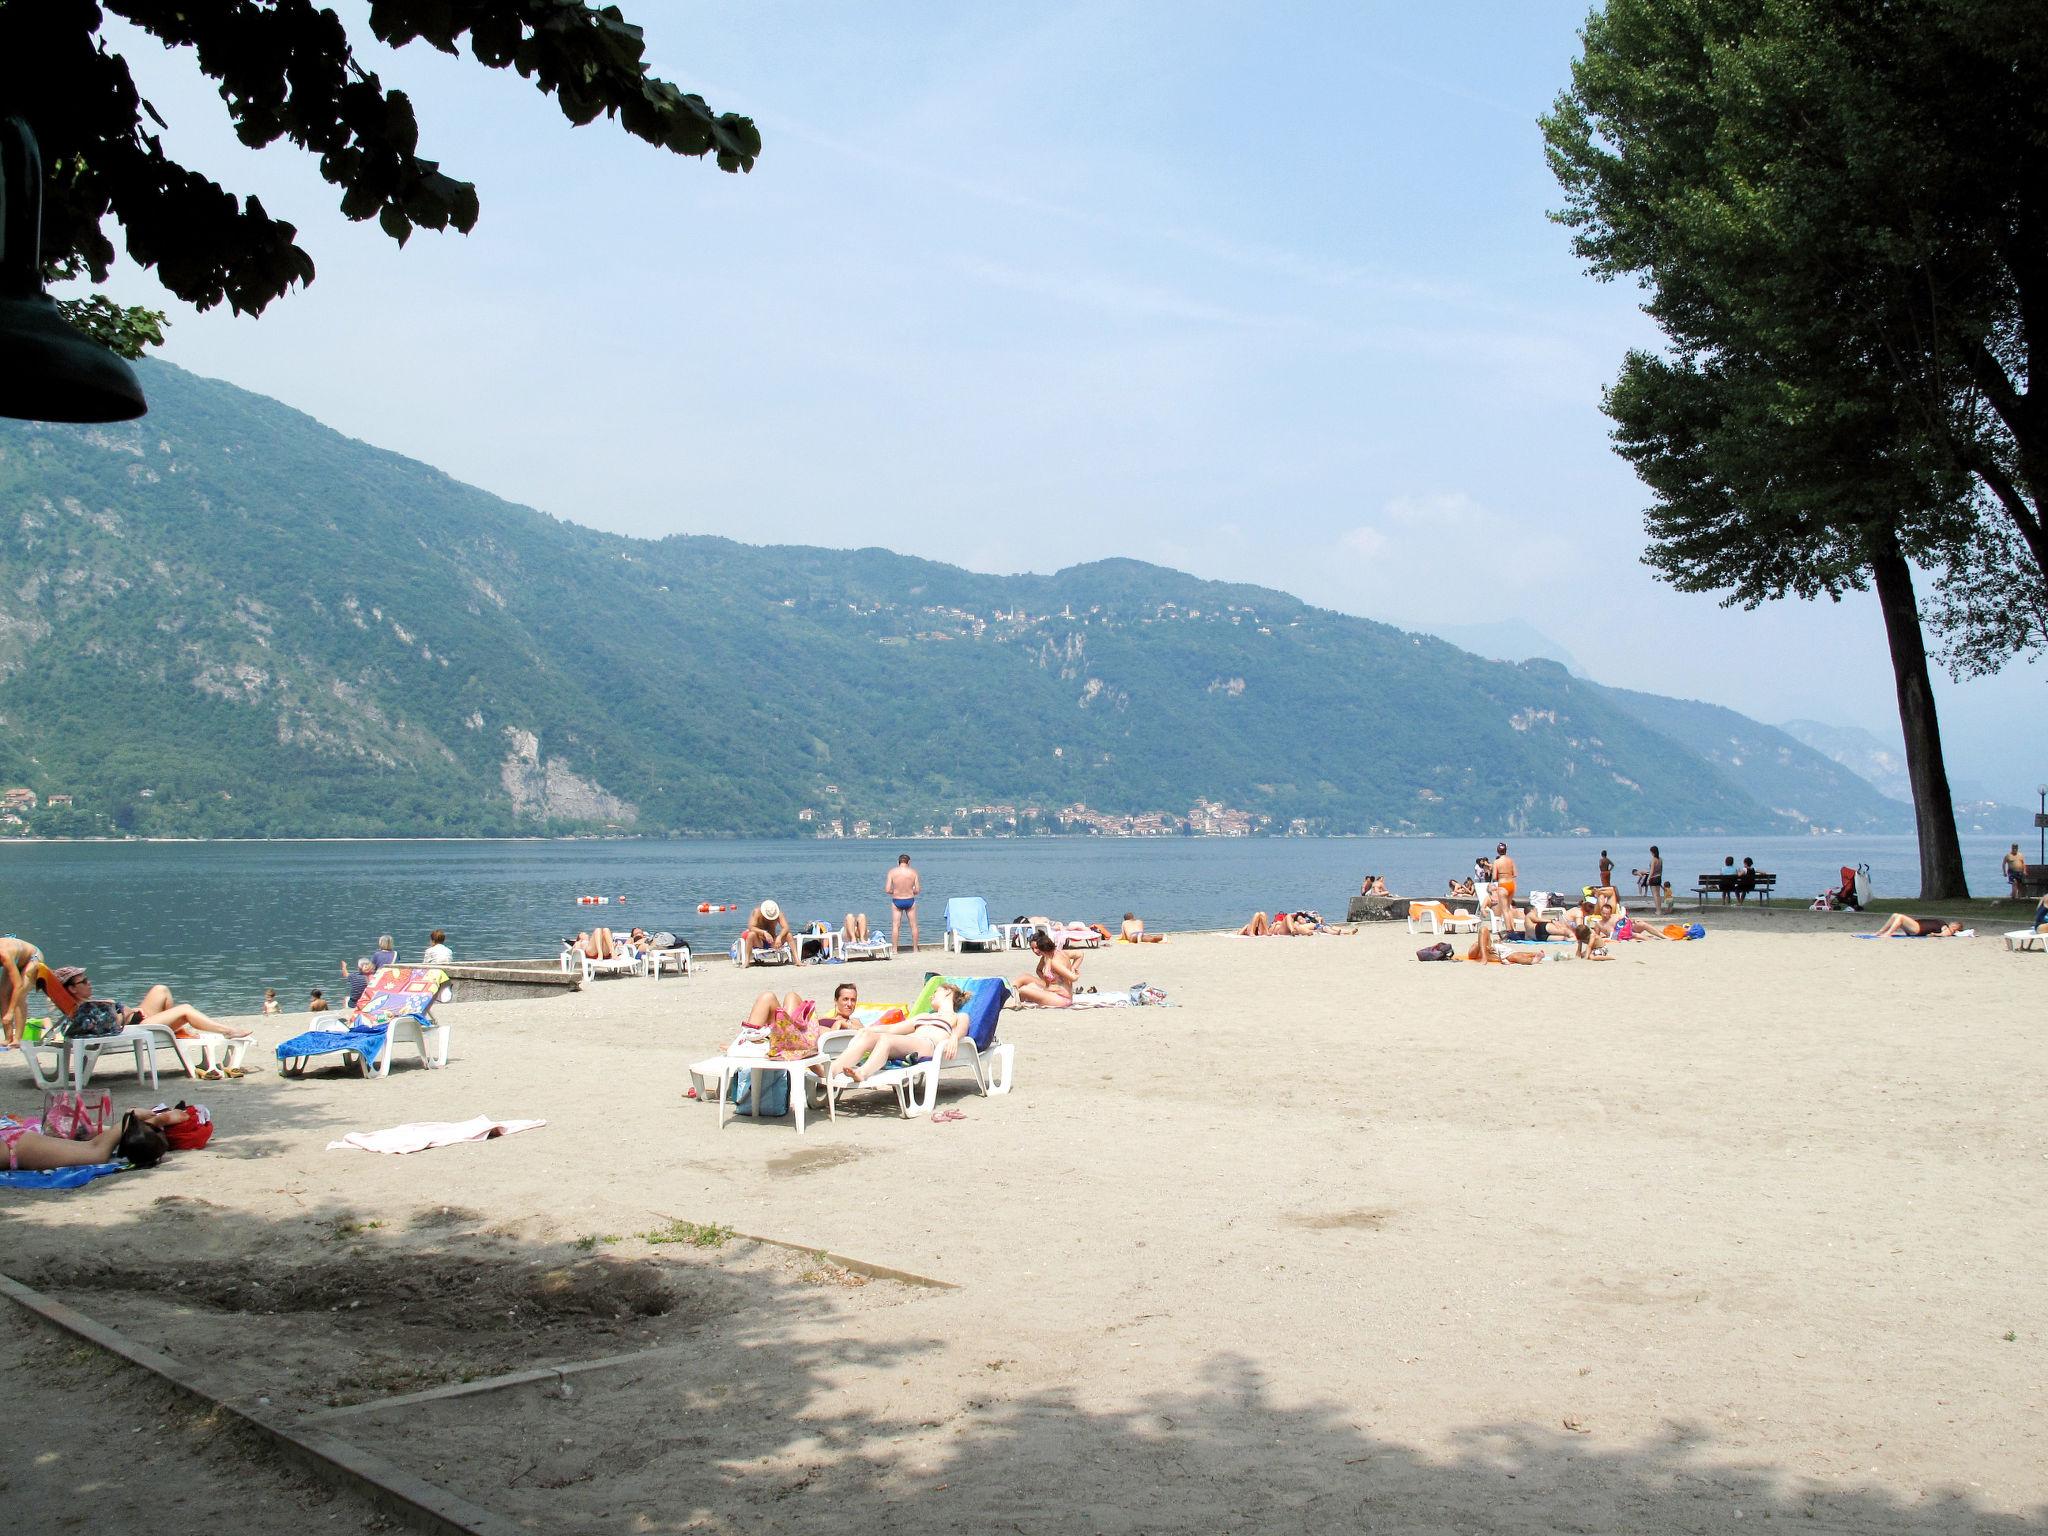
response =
{"points": [[219, 922]]}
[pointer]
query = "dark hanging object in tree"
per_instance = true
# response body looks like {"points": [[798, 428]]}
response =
{"points": [[48, 370]]}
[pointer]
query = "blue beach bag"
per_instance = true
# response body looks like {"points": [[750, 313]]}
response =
{"points": [[774, 1093]]}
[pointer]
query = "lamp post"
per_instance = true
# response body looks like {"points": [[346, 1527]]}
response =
{"points": [[49, 371], [2041, 820]]}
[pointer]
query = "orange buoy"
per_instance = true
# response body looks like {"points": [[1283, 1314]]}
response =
{"points": [[592, 901]]}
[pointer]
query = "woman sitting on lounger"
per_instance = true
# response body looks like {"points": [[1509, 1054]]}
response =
{"points": [[137, 1137], [855, 929], [1918, 927], [921, 1038], [1052, 982], [599, 944]]}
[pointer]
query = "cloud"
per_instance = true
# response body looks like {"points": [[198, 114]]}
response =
{"points": [[1365, 541]]}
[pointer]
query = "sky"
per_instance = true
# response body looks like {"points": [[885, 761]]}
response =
{"points": [[1266, 293]]}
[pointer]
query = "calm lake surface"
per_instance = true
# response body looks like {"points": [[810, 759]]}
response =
{"points": [[219, 922]]}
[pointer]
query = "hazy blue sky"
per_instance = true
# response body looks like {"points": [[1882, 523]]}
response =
{"points": [[1262, 292]]}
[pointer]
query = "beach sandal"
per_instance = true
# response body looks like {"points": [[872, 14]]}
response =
{"points": [[941, 1115], [211, 1074]]}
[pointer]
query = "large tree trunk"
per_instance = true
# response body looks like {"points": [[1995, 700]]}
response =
{"points": [[1934, 811]]}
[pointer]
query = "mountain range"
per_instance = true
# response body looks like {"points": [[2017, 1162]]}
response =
{"points": [[227, 619]]}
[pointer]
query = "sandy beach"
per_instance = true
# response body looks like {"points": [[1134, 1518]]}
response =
{"points": [[1715, 1232]]}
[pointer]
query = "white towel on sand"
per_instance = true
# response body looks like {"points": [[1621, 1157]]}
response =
{"points": [[432, 1133]]}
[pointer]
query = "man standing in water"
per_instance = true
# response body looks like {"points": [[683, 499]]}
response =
{"points": [[902, 887]]}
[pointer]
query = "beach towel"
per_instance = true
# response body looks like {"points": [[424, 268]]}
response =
{"points": [[368, 1040], [57, 1178], [432, 1133], [1966, 933]]}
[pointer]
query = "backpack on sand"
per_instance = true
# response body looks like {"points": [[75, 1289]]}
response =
{"points": [[1436, 951]]}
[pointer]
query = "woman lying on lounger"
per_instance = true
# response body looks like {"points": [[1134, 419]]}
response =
{"points": [[1051, 983], [914, 1039], [157, 1007], [137, 1137], [1918, 927]]}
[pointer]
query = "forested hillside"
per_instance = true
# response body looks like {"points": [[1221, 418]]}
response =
{"points": [[227, 619]]}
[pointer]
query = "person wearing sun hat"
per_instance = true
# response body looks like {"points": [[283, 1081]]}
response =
{"points": [[766, 929]]}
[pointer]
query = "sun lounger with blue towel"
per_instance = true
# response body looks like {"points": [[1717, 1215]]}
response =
{"points": [[967, 923], [397, 1006]]}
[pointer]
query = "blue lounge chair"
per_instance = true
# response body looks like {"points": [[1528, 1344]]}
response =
{"points": [[397, 1007], [967, 923]]}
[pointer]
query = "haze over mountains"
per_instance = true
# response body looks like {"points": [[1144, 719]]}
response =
{"points": [[230, 620]]}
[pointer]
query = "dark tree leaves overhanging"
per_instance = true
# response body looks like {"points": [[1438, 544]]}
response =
{"points": [[286, 70], [1851, 190]]}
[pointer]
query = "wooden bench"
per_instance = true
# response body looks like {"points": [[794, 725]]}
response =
{"points": [[1729, 889]]}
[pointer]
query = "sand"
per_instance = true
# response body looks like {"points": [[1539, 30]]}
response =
{"points": [[1717, 1232]]}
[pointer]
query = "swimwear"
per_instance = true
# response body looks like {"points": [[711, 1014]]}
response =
{"points": [[903, 903], [12, 1131], [1509, 887]]}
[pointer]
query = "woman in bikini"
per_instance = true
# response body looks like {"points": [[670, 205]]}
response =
{"points": [[137, 1137], [157, 1007], [921, 1038], [21, 967], [1052, 982]]}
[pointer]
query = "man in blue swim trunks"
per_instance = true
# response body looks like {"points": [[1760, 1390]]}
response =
{"points": [[902, 887]]}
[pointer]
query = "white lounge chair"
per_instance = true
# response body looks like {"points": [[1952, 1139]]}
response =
{"points": [[875, 946], [73, 1061], [779, 955], [916, 1082], [967, 924], [2027, 938], [626, 962], [676, 959], [1433, 917]]}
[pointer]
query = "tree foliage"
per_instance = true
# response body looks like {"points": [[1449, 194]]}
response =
{"points": [[1830, 197], [287, 71]]}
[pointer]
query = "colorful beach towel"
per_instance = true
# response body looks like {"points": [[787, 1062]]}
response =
{"points": [[58, 1178], [432, 1133]]}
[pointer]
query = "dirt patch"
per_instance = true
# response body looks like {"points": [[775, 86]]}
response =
{"points": [[813, 1160], [1365, 1219], [419, 1290]]}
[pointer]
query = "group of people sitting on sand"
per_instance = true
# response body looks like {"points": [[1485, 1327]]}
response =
{"points": [[1289, 925]]}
